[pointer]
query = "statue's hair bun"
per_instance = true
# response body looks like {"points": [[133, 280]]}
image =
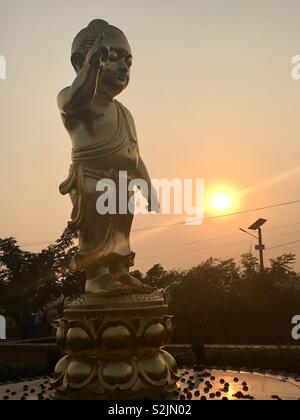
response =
{"points": [[96, 23], [85, 39]]}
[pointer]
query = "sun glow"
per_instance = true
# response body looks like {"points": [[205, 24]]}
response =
{"points": [[221, 200]]}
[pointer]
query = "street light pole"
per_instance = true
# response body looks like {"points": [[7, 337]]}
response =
{"points": [[260, 247]]}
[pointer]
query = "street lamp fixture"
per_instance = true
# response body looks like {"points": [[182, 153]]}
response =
{"points": [[260, 247]]}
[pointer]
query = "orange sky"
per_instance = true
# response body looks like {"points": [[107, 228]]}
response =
{"points": [[212, 96]]}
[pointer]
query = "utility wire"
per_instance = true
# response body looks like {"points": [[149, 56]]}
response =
{"points": [[197, 242], [282, 245], [184, 224], [196, 250], [209, 240], [216, 246], [219, 216]]}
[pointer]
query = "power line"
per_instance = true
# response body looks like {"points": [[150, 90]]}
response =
{"points": [[196, 242], [282, 245], [189, 243], [288, 203], [211, 239], [295, 247], [282, 226], [215, 246], [220, 216], [184, 223], [195, 250]]}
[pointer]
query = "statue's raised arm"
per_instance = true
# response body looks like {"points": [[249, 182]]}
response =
{"points": [[80, 94]]}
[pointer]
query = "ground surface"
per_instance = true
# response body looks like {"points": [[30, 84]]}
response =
{"points": [[195, 385]]}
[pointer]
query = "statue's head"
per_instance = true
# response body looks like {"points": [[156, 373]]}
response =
{"points": [[116, 75]]}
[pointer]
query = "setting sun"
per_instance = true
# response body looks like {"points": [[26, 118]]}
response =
{"points": [[221, 199]]}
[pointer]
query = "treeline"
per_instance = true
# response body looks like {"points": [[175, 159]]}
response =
{"points": [[222, 302], [215, 302]]}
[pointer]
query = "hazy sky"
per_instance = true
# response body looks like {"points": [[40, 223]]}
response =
{"points": [[212, 96]]}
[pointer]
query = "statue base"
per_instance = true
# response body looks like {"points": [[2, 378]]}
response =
{"points": [[114, 349]]}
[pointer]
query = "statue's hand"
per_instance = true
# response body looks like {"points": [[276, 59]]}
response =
{"points": [[99, 53]]}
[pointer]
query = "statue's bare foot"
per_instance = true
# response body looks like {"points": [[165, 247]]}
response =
{"points": [[128, 280], [105, 284]]}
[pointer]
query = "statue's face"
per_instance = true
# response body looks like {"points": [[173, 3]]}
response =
{"points": [[116, 74]]}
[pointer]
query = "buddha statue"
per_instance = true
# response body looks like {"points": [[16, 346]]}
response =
{"points": [[105, 143]]}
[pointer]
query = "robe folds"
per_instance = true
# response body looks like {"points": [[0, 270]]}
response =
{"points": [[103, 239]]}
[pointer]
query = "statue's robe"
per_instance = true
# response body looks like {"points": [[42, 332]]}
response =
{"points": [[103, 239]]}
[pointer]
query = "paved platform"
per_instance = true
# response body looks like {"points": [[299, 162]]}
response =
{"points": [[193, 385]]}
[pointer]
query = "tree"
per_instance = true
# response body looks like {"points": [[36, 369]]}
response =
{"points": [[28, 281], [249, 265], [281, 270], [154, 275], [235, 304]]}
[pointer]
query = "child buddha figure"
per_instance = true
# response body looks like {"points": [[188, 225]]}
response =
{"points": [[104, 143]]}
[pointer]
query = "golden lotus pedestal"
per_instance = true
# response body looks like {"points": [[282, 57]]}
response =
{"points": [[114, 349]]}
